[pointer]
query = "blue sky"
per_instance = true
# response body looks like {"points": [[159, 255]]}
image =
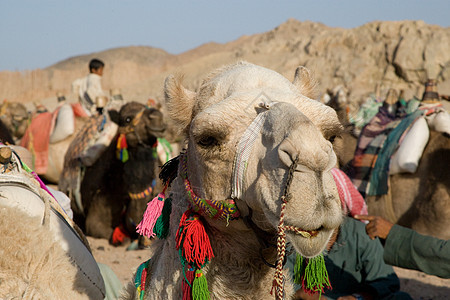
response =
{"points": [[38, 33]]}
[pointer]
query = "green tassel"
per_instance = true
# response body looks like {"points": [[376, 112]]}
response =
{"points": [[200, 287], [162, 224], [316, 278], [124, 155], [298, 269]]}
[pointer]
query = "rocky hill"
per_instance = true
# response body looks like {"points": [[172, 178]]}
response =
{"points": [[367, 59]]}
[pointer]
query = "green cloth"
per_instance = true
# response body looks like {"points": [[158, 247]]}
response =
{"points": [[412, 105], [113, 286], [408, 249], [380, 172], [355, 264], [366, 112]]}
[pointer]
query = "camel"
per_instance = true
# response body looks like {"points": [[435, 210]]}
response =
{"points": [[15, 117], [47, 150], [109, 186], [5, 135], [283, 181], [421, 200], [418, 201], [43, 255], [344, 144]]}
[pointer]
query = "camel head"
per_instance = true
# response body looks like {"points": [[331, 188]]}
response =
{"points": [[244, 108], [141, 125], [15, 116]]}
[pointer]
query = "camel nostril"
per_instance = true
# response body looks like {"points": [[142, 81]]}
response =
{"points": [[287, 152], [285, 158]]}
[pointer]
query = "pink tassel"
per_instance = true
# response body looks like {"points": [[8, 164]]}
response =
{"points": [[152, 213]]}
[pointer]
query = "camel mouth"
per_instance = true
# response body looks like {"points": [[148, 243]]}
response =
{"points": [[304, 233]]}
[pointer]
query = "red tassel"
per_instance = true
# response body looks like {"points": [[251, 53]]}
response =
{"points": [[186, 284], [195, 243], [122, 141], [118, 236], [180, 227], [121, 148]]}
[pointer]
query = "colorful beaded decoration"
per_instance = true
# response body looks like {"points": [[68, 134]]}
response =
{"points": [[142, 195], [220, 210]]}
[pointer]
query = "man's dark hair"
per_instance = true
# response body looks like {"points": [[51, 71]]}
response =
{"points": [[96, 64]]}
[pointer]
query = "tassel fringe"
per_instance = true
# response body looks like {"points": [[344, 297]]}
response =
{"points": [[187, 282], [200, 287], [152, 213], [169, 171], [193, 240], [313, 277], [162, 225], [122, 148]]}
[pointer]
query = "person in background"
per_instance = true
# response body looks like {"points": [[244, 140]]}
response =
{"points": [[355, 267], [89, 87], [405, 248]]}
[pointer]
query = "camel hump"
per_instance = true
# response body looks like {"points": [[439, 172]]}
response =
{"points": [[64, 124]]}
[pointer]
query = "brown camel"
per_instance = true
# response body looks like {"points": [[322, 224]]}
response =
{"points": [[113, 193], [5, 134], [421, 200], [15, 117]]}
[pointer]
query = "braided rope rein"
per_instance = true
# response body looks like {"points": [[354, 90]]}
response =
{"points": [[278, 281]]}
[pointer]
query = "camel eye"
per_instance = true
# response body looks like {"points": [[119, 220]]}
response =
{"points": [[331, 139], [207, 141]]}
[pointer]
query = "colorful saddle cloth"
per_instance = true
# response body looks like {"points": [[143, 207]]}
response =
{"points": [[378, 141]]}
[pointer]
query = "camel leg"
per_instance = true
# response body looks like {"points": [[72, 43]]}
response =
{"points": [[100, 217]]}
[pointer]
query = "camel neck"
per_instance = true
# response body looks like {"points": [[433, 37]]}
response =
{"points": [[140, 170]]}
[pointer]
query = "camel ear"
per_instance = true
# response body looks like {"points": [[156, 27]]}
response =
{"points": [[155, 124], [114, 116], [305, 82], [179, 101]]}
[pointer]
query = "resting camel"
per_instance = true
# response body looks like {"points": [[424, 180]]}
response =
{"points": [[43, 256], [285, 175], [48, 152], [420, 200], [111, 192]]}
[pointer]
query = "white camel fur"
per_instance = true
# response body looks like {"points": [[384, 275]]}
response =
{"points": [[33, 265], [213, 121]]}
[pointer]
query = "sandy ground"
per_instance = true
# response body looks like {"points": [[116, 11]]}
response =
{"points": [[124, 263]]}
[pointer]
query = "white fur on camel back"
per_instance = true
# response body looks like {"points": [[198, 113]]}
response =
{"points": [[32, 263]]}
